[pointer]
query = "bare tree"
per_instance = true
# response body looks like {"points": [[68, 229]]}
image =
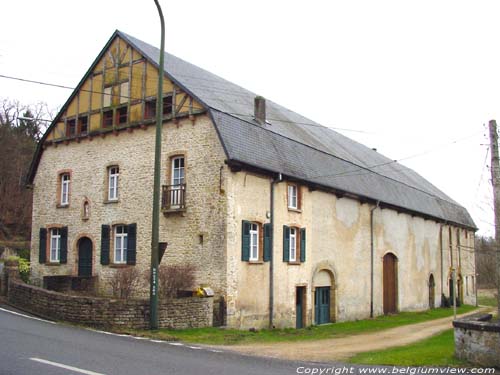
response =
{"points": [[18, 140], [485, 262]]}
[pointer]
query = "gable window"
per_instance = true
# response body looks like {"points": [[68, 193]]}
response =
{"points": [[65, 183], [113, 174], [70, 128], [150, 107], [83, 125], [107, 94], [107, 118], [255, 242], [55, 244], [121, 115], [121, 241], [294, 244]]}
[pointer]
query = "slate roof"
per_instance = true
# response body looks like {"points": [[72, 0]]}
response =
{"points": [[302, 149]]}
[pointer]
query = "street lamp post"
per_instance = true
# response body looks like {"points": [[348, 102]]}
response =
{"points": [[153, 301]]}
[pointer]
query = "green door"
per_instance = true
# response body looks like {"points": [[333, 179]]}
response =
{"points": [[85, 257], [322, 305], [299, 310]]}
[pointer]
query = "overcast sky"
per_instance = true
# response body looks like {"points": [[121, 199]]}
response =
{"points": [[417, 80]]}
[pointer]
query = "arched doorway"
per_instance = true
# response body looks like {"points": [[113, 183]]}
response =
{"points": [[432, 292], [324, 297], [85, 257], [390, 283]]}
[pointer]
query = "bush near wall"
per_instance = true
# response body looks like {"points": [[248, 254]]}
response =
{"points": [[179, 313]]}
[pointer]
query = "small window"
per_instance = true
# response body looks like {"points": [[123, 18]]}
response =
{"points": [[121, 115], [294, 244], [121, 242], [55, 244], [150, 109], [113, 174], [86, 210], [83, 125], [167, 105], [293, 199], [71, 128], [65, 184], [107, 118]]}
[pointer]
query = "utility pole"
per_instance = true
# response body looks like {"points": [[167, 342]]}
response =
{"points": [[495, 180], [155, 237]]}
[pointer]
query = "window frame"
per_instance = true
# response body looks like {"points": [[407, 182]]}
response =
{"points": [[292, 249], [121, 118], [57, 250], [122, 249], [116, 180], [65, 185], [255, 243], [292, 188], [181, 180]]}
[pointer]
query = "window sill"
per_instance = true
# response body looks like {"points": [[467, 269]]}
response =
{"points": [[118, 265], [255, 262], [111, 201], [294, 263], [62, 205], [52, 264], [294, 210]]}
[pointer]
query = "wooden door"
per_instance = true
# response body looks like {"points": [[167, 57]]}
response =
{"points": [[85, 257], [299, 307], [322, 305], [390, 284]]}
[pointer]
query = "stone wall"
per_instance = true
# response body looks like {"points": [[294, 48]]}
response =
{"points": [[180, 313], [477, 340]]}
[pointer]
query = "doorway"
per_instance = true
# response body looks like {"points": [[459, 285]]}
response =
{"points": [[322, 305], [84, 257], [300, 307], [390, 284]]}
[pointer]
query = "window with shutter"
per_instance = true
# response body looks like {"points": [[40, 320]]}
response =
{"points": [[303, 245]]}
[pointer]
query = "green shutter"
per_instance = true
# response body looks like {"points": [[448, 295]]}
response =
{"points": [[63, 256], [131, 243], [286, 243], [303, 244], [267, 242], [42, 251], [245, 241], [105, 244]]}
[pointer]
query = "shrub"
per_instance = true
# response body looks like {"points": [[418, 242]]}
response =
{"points": [[125, 282], [173, 279], [25, 254], [24, 267]]}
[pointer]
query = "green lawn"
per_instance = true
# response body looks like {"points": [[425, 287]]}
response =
{"points": [[434, 351], [218, 336], [486, 300]]}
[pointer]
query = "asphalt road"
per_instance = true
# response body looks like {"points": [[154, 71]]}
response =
{"points": [[29, 346]]}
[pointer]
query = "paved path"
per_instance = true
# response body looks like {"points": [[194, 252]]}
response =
{"points": [[336, 349]]}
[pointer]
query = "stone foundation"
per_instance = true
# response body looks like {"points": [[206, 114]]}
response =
{"points": [[179, 313], [477, 340]]}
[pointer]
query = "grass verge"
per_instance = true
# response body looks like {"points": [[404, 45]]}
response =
{"points": [[218, 336], [435, 351]]}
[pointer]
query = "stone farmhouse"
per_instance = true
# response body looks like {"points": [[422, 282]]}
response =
{"points": [[289, 222]]}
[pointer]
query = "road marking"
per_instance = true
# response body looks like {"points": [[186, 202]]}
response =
{"points": [[76, 369], [194, 347], [26, 316], [159, 341], [215, 351], [176, 343]]}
